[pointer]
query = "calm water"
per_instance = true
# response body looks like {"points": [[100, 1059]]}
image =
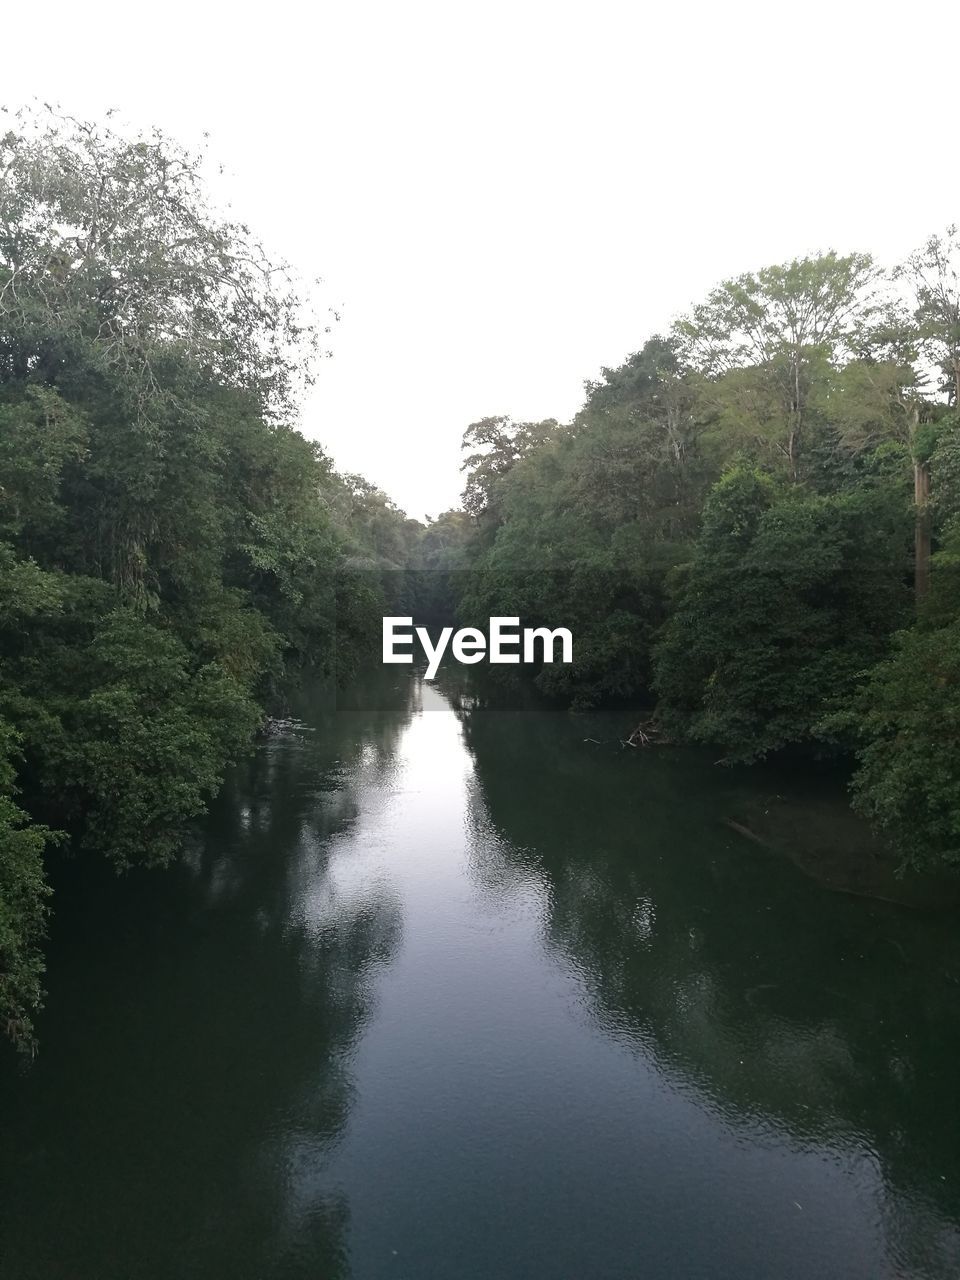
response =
{"points": [[446, 992]]}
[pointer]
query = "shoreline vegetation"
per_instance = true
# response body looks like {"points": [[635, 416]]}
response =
{"points": [[751, 528]]}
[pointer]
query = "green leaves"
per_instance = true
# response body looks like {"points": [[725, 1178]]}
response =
{"points": [[788, 598], [111, 259], [820, 303], [167, 543], [40, 435], [143, 736], [23, 902], [932, 274], [743, 499], [906, 716]]}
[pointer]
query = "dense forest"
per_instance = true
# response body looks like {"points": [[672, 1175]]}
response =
{"points": [[752, 526], [170, 546]]}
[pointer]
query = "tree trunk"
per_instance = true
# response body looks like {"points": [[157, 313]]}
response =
{"points": [[793, 449], [921, 539]]}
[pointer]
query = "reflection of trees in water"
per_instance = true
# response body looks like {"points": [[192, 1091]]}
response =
{"points": [[829, 1018], [216, 1006]]}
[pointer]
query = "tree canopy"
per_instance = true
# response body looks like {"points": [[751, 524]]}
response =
{"points": [[170, 544], [732, 523]]}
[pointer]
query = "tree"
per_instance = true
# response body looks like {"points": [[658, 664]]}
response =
{"points": [[23, 902], [111, 258], [581, 523], [932, 276], [27, 594], [169, 544], [905, 717], [498, 444], [788, 597], [770, 332]]}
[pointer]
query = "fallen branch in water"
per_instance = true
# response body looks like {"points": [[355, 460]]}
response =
{"points": [[647, 734]]}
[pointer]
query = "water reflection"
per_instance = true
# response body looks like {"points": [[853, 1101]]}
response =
{"points": [[195, 1064], [445, 991], [794, 1013]]}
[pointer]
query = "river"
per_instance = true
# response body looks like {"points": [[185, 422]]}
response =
{"points": [[443, 992]]}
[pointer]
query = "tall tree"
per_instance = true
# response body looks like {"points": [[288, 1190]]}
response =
{"points": [[932, 277], [780, 324], [497, 444], [167, 538]]}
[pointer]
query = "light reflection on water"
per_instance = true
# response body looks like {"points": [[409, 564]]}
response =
{"points": [[440, 993]]}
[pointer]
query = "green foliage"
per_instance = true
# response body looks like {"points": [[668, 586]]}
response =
{"points": [[726, 520], [497, 445], [906, 716], [765, 341], [39, 435], [727, 523], [23, 902], [169, 544], [112, 263], [821, 303], [137, 739], [788, 596], [932, 274], [582, 524], [608, 611]]}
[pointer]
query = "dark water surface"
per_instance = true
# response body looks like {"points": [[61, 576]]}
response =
{"points": [[449, 993]]}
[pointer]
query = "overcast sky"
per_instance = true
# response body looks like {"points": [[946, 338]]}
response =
{"points": [[503, 197]]}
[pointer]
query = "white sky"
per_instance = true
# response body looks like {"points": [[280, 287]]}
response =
{"points": [[503, 197]]}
